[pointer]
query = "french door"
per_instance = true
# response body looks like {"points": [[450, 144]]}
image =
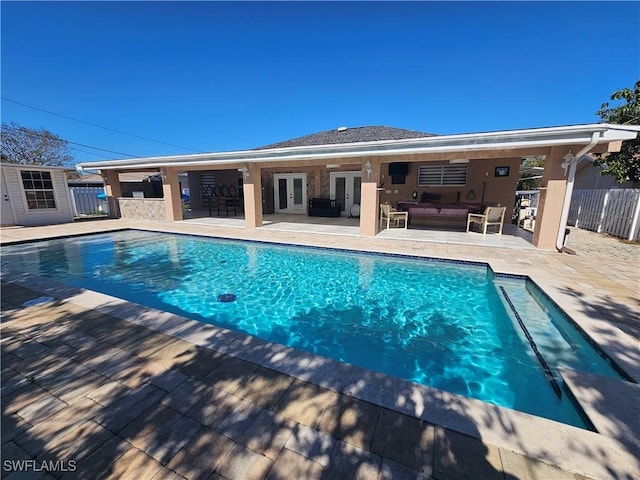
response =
{"points": [[345, 189], [290, 190]]}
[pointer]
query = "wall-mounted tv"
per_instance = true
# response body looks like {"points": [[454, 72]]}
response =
{"points": [[399, 168]]}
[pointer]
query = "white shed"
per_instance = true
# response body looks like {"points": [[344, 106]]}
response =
{"points": [[34, 195]]}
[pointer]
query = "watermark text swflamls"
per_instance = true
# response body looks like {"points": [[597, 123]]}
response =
{"points": [[39, 466]]}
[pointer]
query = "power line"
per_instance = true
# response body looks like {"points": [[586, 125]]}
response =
{"points": [[33, 133], [96, 125], [76, 149], [102, 149]]}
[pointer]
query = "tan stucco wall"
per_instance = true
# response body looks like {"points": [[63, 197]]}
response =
{"points": [[172, 195], [498, 190], [112, 183], [252, 192], [370, 194], [552, 190]]}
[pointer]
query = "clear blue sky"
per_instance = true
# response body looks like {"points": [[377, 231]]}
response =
{"points": [[214, 76]]}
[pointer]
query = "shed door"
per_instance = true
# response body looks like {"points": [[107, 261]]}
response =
{"points": [[6, 211]]}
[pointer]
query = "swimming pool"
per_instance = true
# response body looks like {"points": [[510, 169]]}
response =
{"points": [[456, 327]]}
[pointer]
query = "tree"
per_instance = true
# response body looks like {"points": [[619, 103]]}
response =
{"points": [[530, 181], [28, 146], [625, 164]]}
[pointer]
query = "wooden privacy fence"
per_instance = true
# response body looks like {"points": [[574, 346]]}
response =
{"points": [[614, 211], [86, 202]]}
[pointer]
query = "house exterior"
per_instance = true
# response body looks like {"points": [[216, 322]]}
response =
{"points": [[588, 177], [34, 195], [366, 166]]}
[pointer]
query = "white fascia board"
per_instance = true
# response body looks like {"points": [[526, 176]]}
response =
{"points": [[615, 134], [264, 156], [504, 140], [28, 166]]}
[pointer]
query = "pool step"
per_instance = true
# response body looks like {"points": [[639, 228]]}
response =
{"points": [[543, 363], [559, 341]]}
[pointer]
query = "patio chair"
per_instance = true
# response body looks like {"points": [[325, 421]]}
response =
{"points": [[491, 216], [392, 216]]}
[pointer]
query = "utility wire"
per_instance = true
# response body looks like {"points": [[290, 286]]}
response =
{"points": [[96, 125], [103, 149], [37, 134], [76, 149]]}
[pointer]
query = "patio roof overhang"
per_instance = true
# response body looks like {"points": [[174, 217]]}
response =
{"points": [[475, 142]]}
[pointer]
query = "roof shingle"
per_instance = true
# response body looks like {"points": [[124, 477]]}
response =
{"points": [[348, 135]]}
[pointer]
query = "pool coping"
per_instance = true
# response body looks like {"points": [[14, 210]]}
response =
{"points": [[569, 448]]}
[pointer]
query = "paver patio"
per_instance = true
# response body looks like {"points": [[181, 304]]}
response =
{"points": [[122, 400], [212, 422]]}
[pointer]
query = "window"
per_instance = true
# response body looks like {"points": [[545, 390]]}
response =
{"points": [[440, 175], [38, 188]]}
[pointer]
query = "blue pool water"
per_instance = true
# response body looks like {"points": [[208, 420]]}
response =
{"points": [[441, 324]]}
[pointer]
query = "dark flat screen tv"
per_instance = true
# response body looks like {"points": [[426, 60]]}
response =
{"points": [[399, 168]]}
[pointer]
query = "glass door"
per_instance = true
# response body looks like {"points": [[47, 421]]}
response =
{"points": [[290, 192], [345, 189], [297, 202]]}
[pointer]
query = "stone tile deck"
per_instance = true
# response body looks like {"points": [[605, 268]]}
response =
{"points": [[153, 397]]}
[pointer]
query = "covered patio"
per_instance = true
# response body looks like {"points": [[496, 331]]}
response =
{"points": [[364, 167]]}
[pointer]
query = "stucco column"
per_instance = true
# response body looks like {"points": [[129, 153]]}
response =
{"points": [[112, 183], [317, 183], [369, 197], [252, 191], [554, 185], [172, 194], [113, 191]]}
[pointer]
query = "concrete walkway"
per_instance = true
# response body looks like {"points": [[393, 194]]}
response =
{"points": [[144, 397]]}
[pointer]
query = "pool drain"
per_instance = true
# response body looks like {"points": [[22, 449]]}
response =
{"points": [[227, 297], [37, 301]]}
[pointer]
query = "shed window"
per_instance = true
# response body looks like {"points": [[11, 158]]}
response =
{"points": [[38, 188], [440, 175]]}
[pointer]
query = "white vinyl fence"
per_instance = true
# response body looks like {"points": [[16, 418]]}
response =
{"points": [[86, 202], [614, 211]]}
